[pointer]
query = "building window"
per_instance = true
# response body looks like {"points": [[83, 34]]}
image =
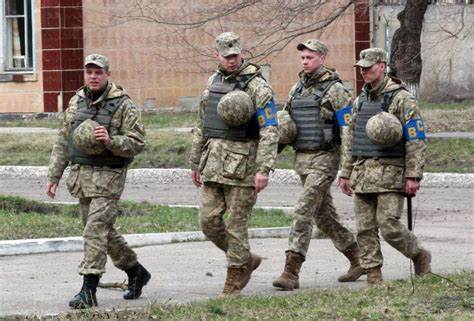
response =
{"points": [[17, 34]]}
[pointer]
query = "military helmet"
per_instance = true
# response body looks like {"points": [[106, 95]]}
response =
{"points": [[236, 108], [384, 129], [287, 130], [84, 139]]}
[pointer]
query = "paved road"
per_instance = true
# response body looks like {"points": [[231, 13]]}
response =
{"points": [[34, 284], [431, 201]]}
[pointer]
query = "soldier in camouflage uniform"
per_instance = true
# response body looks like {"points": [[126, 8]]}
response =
{"points": [[381, 175], [98, 173], [317, 104], [232, 163]]}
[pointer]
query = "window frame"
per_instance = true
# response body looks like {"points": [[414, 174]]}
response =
{"points": [[6, 51]]}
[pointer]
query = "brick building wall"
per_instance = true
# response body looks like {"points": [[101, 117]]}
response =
{"points": [[62, 53], [58, 59], [134, 47], [67, 30]]}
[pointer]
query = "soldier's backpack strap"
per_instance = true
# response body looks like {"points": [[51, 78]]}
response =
{"points": [[81, 102], [320, 91], [388, 98], [245, 80], [323, 88], [298, 90], [112, 105], [362, 99]]}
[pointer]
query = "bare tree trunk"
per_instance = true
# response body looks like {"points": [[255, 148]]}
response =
{"points": [[405, 55]]}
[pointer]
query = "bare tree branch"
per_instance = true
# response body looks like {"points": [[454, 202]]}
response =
{"points": [[459, 29], [270, 24], [147, 11]]}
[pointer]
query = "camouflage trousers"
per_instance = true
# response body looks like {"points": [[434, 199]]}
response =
{"points": [[231, 236], [100, 237], [315, 203], [382, 211]]}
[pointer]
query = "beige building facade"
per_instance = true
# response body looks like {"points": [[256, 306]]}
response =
{"points": [[136, 49], [64, 31], [21, 84]]}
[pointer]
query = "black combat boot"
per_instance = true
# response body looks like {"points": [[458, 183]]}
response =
{"points": [[86, 297], [138, 277]]}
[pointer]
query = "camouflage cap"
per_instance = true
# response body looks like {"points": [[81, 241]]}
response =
{"points": [[384, 129], [313, 45], [371, 56], [228, 43], [98, 60], [236, 108], [84, 140]]}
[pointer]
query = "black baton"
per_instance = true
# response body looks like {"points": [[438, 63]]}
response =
{"points": [[409, 213]]}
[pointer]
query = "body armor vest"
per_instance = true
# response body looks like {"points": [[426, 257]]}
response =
{"points": [[102, 115], [362, 146], [314, 133], [214, 126]]}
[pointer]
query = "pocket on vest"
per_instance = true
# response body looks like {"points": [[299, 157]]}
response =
{"points": [[392, 177], [109, 181], [234, 163], [72, 181], [355, 177], [204, 156]]}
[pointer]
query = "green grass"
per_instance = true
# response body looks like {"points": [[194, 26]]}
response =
{"points": [[171, 150], [285, 158], [426, 106], [450, 155], [164, 150], [21, 218], [154, 120], [433, 298], [454, 116], [166, 120], [51, 122], [448, 119], [26, 149]]}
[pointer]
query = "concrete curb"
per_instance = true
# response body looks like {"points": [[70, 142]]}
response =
{"points": [[285, 209], [72, 244], [182, 176]]}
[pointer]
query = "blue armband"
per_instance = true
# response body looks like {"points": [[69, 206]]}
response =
{"points": [[266, 116], [414, 129], [343, 115]]}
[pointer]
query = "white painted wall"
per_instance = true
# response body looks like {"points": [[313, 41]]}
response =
{"points": [[447, 45]]}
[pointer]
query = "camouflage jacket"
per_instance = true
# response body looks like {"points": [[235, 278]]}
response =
{"points": [[336, 97], [127, 139], [385, 174], [234, 162]]}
